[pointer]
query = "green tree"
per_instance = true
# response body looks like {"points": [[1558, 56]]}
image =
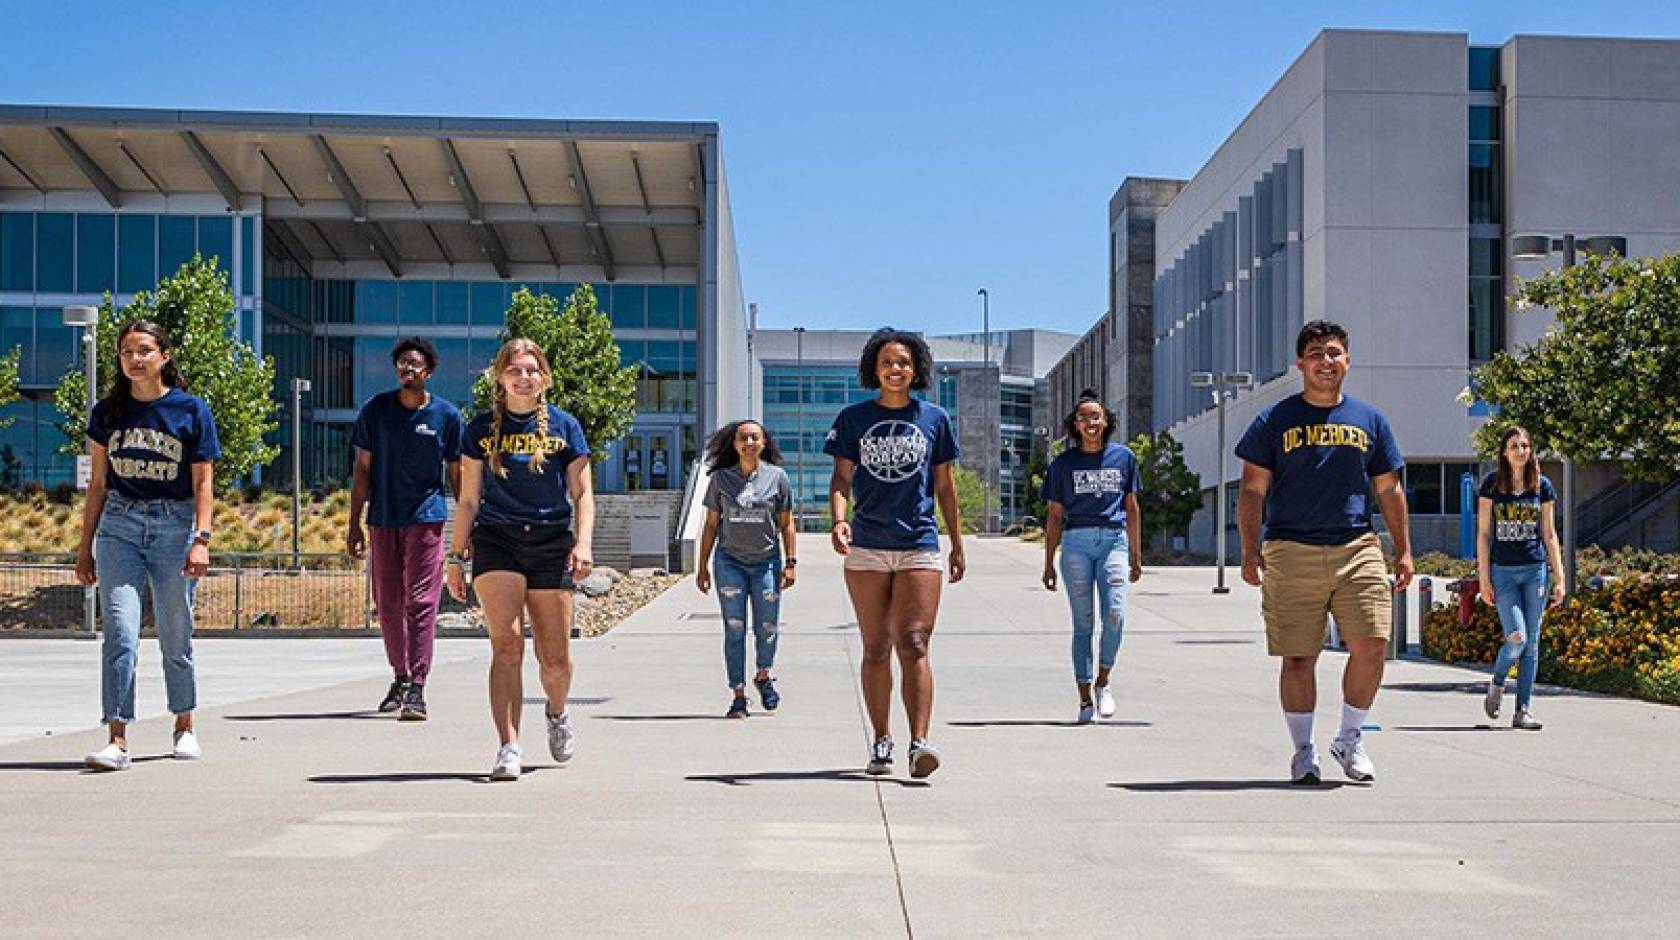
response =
{"points": [[196, 306], [589, 382], [1171, 493], [971, 500], [1604, 382], [9, 380], [1038, 467]]}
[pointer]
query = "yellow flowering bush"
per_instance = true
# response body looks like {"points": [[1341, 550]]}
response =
{"points": [[1623, 639]]}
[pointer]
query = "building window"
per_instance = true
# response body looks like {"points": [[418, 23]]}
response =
{"points": [[17, 251], [136, 253], [55, 252], [1487, 299], [96, 253], [1484, 68]]}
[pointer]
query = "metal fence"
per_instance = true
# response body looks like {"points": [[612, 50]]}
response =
{"points": [[241, 591]]}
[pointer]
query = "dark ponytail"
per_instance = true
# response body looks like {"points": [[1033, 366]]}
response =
{"points": [[1070, 426]]}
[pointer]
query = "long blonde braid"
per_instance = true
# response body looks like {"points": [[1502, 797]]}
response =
{"points": [[498, 407]]}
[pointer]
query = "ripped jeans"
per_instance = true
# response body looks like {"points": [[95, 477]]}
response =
{"points": [[740, 585], [1095, 558]]}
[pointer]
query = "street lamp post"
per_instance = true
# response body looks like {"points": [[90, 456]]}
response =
{"points": [[1224, 385], [299, 386], [752, 337], [799, 431], [1538, 248], [88, 319], [986, 340]]}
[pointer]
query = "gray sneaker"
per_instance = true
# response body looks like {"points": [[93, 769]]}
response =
{"points": [[1303, 767], [1495, 695], [1355, 763], [562, 740], [924, 760], [1523, 721]]}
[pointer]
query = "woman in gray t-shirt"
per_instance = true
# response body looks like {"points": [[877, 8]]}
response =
{"points": [[749, 518]]}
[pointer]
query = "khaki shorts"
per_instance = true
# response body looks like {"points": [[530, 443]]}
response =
{"points": [[888, 560], [1303, 583]]}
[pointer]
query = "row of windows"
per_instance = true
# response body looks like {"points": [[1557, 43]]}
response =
{"points": [[413, 304], [29, 445], [94, 252], [1435, 488], [47, 348]]}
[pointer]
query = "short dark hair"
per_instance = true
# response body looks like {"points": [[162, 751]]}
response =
{"points": [[1070, 426], [419, 344], [920, 354], [721, 452], [1318, 329]]}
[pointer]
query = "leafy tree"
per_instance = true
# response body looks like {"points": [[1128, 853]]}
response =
{"points": [[589, 382], [9, 380], [1038, 467], [1171, 493], [1604, 382], [196, 306], [971, 500]]}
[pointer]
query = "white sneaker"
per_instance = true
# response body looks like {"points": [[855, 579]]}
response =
{"points": [[1303, 768], [924, 760], [1086, 713], [1495, 694], [562, 740], [109, 757], [1105, 702], [187, 746], [508, 766], [1355, 763]]}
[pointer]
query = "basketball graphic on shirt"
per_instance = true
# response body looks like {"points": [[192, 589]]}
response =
{"points": [[893, 451]]}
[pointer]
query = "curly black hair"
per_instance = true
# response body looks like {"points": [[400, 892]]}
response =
{"points": [[1319, 329], [920, 354], [1070, 426], [720, 449], [419, 344]]}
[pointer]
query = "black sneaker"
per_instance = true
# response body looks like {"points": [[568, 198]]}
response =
{"points": [[414, 704], [394, 696], [737, 707], [767, 694], [880, 757]]}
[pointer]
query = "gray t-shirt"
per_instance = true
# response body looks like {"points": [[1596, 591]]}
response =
{"points": [[749, 508]]}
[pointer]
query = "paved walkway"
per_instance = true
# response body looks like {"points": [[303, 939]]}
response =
{"points": [[309, 816]]}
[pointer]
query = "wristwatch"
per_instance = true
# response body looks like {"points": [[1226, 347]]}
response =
{"points": [[791, 563], [202, 535]]}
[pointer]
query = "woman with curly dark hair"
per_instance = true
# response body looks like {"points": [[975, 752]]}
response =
{"points": [[905, 449], [749, 509]]}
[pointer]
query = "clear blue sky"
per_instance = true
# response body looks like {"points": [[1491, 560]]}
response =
{"points": [[885, 159]]}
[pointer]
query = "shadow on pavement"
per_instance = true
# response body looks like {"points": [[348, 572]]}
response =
{"points": [[1220, 786], [574, 700], [775, 776], [412, 777], [665, 718], [1480, 727], [1479, 687], [1045, 723], [72, 765], [317, 716], [1216, 642]]}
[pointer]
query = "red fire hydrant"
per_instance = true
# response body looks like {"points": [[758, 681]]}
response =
{"points": [[1467, 589]]}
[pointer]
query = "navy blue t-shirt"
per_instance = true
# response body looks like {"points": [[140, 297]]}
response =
{"points": [[1091, 487], [895, 450], [150, 446], [1321, 459], [524, 497], [409, 450], [1516, 523]]}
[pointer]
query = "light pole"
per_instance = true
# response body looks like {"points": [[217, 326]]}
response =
{"points": [[299, 386], [1538, 248], [1224, 385], [88, 319], [752, 336], [986, 340], [799, 431]]}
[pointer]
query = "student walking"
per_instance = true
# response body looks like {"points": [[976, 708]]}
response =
{"points": [[525, 482], [893, 459], [405, 439], [749, 510], [1091, 494], [1314, 461], [146, 525], [1516, 537]]}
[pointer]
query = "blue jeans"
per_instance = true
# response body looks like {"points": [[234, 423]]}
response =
{"points": [[740, 585], [143, 544], [1519, 594], [1095, 557]]}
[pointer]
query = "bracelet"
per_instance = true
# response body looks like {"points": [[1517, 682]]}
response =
{"points": [[456, 560]]}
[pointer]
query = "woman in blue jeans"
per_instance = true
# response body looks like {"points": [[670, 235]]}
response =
{"points": [[146, 523], [749, 510], [1091, 491], [1516, 539]]}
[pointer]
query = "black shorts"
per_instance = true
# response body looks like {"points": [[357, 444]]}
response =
{"points": [[542, 553]]}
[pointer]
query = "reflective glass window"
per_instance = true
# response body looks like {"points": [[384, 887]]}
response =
{"points": [[17, 251], [1484, 123], [136, 253], [663, 308], [96, 253], [454, 375], [489, 303], [687, 296], [55, 345], [1484, 68], [247, 251], [17, 331], [55, 252], [628, 309], [665, 356], [1487, 318], [1423, 488], [414, 303], [374, 373], [215, 240], [631, 352], [1452, 490], [376, 302], [1486, 258], [1486, 204], [177, 240], [451, 302]]}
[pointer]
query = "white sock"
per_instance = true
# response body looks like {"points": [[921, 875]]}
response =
{"points": [[1352, 720], [1300, 727]]}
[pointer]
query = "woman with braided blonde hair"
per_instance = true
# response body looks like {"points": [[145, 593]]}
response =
{"points": [[524, 480]]}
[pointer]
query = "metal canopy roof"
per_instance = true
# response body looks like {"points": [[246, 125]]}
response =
{"points": [[401, 190]]}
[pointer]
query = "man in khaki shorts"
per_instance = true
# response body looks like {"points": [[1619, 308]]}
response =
{"points": [[1314, 460]]}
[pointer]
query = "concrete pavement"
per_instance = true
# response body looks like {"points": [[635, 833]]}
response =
{"points": [[308, 816]]}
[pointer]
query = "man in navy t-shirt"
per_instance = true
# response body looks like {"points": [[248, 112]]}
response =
{"points": [[1315, 461], [404, 441]]}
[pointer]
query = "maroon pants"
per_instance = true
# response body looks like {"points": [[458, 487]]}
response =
{"points": [[407, 567]]}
